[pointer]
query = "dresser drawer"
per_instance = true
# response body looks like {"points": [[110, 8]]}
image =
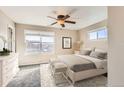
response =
{"points": [[9, 67], [7, 62]]}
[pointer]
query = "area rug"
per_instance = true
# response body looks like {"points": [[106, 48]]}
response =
{"points": [[47, 79], [28, 76]]}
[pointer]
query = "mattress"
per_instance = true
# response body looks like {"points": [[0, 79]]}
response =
{"points": [[81, 62]]}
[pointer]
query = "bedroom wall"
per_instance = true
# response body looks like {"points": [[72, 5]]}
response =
{"points": [[116, 46], [6, 22], [41, 57], [83, 33]]}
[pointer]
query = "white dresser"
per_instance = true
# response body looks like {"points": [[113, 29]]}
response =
{"points": [[8, 68]]}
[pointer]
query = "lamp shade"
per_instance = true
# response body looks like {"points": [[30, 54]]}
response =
{"points": [[78, 45]]}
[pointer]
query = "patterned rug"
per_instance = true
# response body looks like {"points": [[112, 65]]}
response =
{"points": [[47, 80], [28, 76]]}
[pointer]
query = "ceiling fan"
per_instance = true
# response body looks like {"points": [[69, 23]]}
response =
{"points": [[62, 19]]}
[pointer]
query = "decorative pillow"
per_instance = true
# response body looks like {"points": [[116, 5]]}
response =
{"points": [[85, 52], [99, 55], [102, 51]]}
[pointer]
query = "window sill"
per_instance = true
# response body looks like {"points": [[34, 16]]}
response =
{"points": [[102, 39], [38, 53]]}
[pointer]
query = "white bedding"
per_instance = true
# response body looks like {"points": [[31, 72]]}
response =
{"points": [[100, 64]]}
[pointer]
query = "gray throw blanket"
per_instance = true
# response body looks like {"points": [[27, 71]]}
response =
{"points": [[77, 63]]}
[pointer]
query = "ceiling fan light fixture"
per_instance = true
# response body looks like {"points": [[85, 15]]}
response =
{"points": [[61, 22]]}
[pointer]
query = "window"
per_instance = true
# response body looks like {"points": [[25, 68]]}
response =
{"points": [[98, 34], [93, 35], [102, 33], [39, 41]]}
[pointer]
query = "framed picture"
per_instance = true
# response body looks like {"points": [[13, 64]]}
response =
{"points": [[66, 42]]}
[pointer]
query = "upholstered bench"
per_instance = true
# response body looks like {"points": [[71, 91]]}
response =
{"points": [[58, 67]]}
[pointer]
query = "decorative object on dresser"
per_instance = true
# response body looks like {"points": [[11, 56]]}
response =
{"points": [[3, 51], [8, 68], [66, 42], [3, 42]]}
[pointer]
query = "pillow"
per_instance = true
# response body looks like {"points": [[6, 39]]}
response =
{"points": [[85, 52], [102, 51], [91, 49], [99, 55]]}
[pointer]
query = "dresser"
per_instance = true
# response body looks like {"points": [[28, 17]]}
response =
{"points": [[8, 68]]}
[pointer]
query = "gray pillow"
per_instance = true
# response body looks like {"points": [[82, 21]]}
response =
{"points": [[85, 52], [99, 55]]}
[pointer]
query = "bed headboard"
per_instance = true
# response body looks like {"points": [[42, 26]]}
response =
{"points": [[96, 49]]}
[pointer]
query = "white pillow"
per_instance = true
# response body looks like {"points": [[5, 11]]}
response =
{"points": [[91, 49], [85, 52], [99, 55], [100, 50]]}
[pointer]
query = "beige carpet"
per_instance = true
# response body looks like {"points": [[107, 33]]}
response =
{"points": [[47, 80]]}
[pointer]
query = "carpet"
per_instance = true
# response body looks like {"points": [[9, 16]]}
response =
{"points": [[40, 76], [28, 76], [47, 80]]}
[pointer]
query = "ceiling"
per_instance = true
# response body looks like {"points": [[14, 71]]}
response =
{"points": [[37, 15]]}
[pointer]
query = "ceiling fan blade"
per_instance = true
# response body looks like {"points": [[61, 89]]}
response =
{"points": [[66, 16], [51, 17], [72, 22], [53, 23], [62, 25]]}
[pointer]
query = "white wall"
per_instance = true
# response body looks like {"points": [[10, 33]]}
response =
{"points": [[116, 46], [5, 22], [83, 34], [41, 57]]}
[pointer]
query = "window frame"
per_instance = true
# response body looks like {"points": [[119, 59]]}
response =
{"points": [[92, 32], [41, 35], [97, 30]]}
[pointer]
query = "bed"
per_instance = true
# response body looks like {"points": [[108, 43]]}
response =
{"points": [[83, 66]]}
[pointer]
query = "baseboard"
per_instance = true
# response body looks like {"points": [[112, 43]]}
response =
{"points": [[33, 64]]}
